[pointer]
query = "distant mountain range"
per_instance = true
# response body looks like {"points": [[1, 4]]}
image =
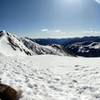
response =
{"points": [[85, 49], [65, 41]]}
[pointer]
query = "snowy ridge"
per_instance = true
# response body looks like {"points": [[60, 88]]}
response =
{"points": [[39, 49], [12, 45]]}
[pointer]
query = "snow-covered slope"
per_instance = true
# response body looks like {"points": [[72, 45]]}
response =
{"points": [[47, 77], [12, 45]]}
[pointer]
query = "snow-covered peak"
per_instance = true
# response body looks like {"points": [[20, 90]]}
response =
{"points": [[2, 33], [12, 45]]}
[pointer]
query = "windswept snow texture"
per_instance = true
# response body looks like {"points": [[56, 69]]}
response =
{"points": [[47, 77]]}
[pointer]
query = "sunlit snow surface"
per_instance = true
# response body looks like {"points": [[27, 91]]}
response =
{"points": [[49, 77]]}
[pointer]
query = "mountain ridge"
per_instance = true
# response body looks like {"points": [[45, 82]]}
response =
{"points": [[11, 43]]}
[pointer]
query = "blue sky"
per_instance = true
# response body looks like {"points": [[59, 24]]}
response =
{"points": [[50, 17]]}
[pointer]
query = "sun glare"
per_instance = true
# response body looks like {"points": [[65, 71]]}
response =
{"points": [[70, 2], [73, 1]]}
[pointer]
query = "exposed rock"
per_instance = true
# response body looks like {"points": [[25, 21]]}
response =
{"points": [[8, 93]]}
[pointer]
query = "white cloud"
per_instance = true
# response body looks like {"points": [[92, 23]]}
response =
{"points": [[57, 31], [45, 30], [51, 31], [98, 1]]}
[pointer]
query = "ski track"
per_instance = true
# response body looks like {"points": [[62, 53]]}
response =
{"points": [[42, 83]]}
